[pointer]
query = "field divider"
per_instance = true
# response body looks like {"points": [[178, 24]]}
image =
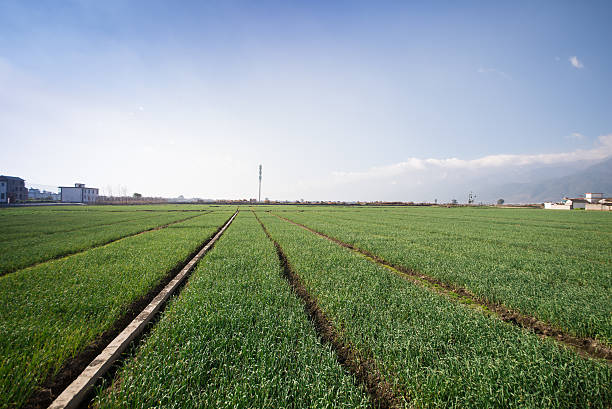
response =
{"points": [[584, 346], [381, 392], [106, 243], [74, 394]]}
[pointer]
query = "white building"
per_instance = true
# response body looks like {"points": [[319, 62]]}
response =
{"points": [[591, 201], [576, 203], [78, 194], [594, 197], [602, 205], [44, 195], [557, 206]]}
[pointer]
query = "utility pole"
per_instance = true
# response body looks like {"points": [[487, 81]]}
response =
{"points": [[259, 197]]}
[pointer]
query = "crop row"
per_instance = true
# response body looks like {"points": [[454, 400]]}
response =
{"points": [[235, 337], [567, 288], [438, 353], [50, 312], [26, 251], [576, 239], [59, 222]]}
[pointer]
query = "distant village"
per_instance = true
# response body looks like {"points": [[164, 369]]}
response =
{"points": [[590, 201], [14, 191]]}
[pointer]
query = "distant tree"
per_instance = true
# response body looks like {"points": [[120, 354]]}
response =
{"points": [[500, 201], [137, 196], [454, 201]]}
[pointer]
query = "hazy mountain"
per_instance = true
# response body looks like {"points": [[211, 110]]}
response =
{"points": [[595, 178]]}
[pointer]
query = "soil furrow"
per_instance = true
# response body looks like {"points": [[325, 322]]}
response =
{"points": [[55, 384], [106, 243], [382, 394], [587, 347]]}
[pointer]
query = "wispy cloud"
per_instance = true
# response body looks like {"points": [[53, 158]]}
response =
{"points": [[494, 71], [601, 150], [576, 62]]}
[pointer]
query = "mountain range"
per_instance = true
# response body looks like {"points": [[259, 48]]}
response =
{"points": [[570, 183]]}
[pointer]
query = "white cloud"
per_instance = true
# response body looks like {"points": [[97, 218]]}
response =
{"points": [[602, 150], [575, 135], [494, 71], [576, 62]]}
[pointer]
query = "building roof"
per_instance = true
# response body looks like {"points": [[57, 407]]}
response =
{"points": [[10, 177], [577, 199]]}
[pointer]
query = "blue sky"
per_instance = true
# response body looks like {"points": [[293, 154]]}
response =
{"points": [[169, 98]]}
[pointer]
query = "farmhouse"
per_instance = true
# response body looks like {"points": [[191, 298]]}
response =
{"points": [[45, 195], [12, 189], [576, 203], [590, 201], [78, 194], [557, 206], [593, 197], [597, 201]]}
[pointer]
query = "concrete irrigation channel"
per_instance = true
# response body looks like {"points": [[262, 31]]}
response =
{"points": [[78, 390], [584, 346]]}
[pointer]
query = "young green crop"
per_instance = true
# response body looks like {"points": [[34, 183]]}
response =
{"points": [[41, 223], [556, 266], [439, 352], [25, 251], [50, 312], [235, 337]]}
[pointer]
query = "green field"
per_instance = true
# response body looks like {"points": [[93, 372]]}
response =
{"points": [[238, 336], [556, 266]]}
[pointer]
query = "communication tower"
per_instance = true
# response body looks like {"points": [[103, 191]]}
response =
{"points": [[259, 196]]}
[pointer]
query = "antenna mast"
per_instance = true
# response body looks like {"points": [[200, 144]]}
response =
{"points": [[259, 197]]}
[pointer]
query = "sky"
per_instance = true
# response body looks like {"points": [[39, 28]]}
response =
{"points": [[337, 100]]}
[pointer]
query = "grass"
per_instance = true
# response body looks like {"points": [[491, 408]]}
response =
{"points": [[235, 337], [50, 312], [438, 352], [556, 266], [77, 234]]}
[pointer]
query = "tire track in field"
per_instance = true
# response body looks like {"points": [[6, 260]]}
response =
{"points": [[54, 385], [585, 346], [362, 368], [102, 244]]}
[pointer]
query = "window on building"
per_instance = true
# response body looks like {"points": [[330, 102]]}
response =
{"points": [[2, 196]]}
